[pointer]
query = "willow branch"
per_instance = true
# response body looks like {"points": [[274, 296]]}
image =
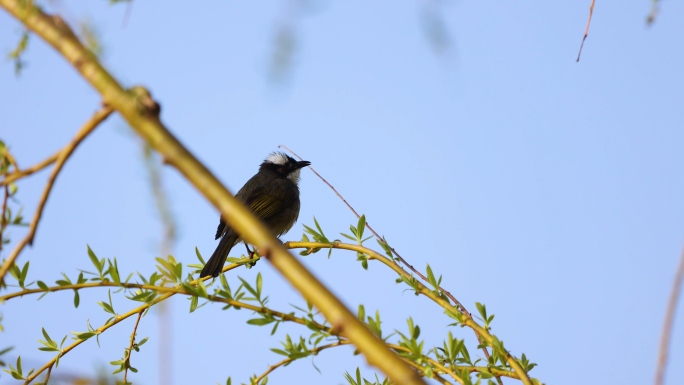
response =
{"points": [[168, 292], [281, 316], [424, 290], [142, 114], [62, 157], [127, 364]]}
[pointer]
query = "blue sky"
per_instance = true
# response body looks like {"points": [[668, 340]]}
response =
{"points": [[549, 190]]}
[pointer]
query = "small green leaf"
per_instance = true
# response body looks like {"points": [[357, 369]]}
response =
{"points": [[194, 300], [96, 262], [360, 227], [258, 283], [260, 321]]}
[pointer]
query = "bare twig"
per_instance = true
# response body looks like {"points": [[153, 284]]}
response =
{"points": [[127, 362], [667, 327], [64, 154], [586, 30], [459, 306]]}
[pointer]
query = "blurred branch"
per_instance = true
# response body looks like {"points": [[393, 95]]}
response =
{"points": [[586, 30], [655, 7], [168, 239], [62, 157], [667, 326], [161, 200], [434, 27], [141, 112]]}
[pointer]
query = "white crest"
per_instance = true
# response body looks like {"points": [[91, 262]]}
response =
{"points": [[277, 158]]}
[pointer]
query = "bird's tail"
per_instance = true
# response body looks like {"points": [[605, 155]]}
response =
{"points": [[215, 263]]}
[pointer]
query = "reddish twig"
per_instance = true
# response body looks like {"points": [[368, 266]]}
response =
{"points": [[667, 326], [586, 30]]}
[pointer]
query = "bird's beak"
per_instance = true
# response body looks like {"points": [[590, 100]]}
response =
{"points": [[302, 164]]}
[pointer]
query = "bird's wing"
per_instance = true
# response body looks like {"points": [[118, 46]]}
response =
{"points": [[265, 205]]}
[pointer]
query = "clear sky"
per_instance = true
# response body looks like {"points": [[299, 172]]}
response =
{"points": [[549, 190]]}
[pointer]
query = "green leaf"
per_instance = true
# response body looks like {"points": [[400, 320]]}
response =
{"points": [[260, 321], [430, 276], [199, 256], [77, 298], [281, 352], [482, 310], [48, 345], [348, 236], [24, 273], [194, 300], [99, 264], [83, 335], [114, 272], [360, 227], [385, 246]]}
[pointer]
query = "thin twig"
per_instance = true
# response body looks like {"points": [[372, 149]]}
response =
{"points": [[586, 30], [127, 362], [64, 154], [667, 327], [47, 376], [458, 304], [286, 361], [18, 174]]}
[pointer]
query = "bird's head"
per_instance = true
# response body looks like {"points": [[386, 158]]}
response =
{"points": [[284, 165]]}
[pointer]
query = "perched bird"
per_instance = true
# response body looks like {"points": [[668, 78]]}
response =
{"points": [[272, 195]]}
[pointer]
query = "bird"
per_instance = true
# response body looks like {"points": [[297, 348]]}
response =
{"points": [[272, 194]]}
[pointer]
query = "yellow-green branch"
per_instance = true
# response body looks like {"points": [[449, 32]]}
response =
{"points": [[422, 289]]}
